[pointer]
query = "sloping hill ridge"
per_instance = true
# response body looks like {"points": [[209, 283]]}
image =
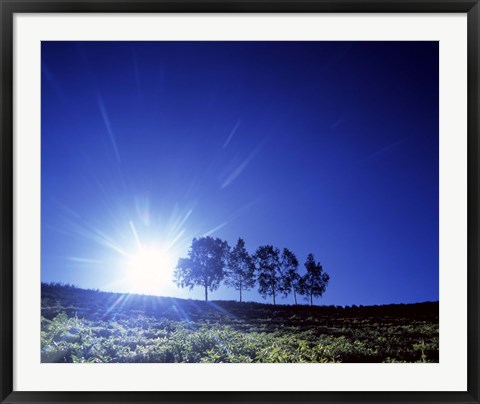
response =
{"points": [[98, 305]]}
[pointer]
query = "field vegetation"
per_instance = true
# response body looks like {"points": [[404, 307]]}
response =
{"points": [[80, 325]]}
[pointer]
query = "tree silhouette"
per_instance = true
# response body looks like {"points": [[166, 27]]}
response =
{"points": [[269, 276], [315, 281], [240, 272], [204, 265], [290, 276]]}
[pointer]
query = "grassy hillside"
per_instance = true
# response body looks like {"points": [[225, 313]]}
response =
{"points": [[81, 325]]}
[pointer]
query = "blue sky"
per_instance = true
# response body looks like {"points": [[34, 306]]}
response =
{"points": [[322, 147]]}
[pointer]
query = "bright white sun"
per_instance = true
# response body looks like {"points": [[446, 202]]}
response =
{"points": [[150, 270]]}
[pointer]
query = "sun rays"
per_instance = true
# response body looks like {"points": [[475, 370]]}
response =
{"points": [[149, 269]]}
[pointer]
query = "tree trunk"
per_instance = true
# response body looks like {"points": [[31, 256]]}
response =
{"points": [[206, 293], [295, 297], [311, 299], [240, 294]]}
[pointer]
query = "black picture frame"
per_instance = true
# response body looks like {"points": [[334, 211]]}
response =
{"points": [[11, 7]]}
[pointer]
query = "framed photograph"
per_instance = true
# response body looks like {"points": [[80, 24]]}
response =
{"points": [[239, 201]]}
